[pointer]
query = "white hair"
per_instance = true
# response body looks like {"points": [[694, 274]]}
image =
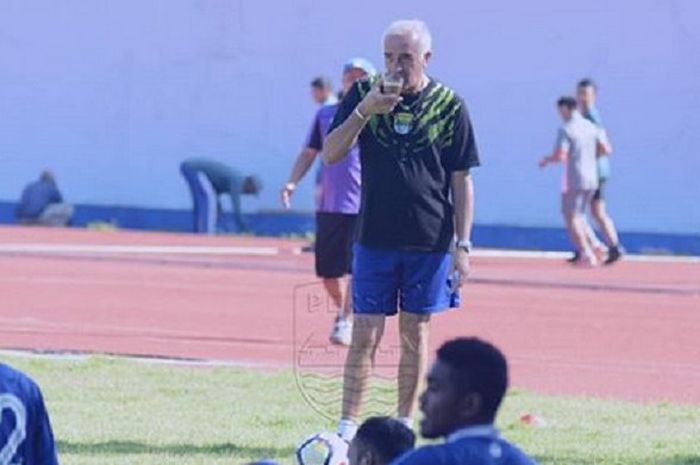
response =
{"points": [[415, 28]]}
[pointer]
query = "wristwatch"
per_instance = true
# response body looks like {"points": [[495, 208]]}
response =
{"points": [[465, 245]]}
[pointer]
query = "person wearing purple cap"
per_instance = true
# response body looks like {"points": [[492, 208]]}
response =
{"points": [[337, 207]]}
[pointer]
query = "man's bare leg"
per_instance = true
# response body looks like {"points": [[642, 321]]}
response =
{"points": [[600, 214], [341, 333], [366, 336], [347, 303], [333, 287], [576, 226], [414, 331]]}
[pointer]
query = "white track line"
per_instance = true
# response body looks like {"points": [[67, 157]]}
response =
{"points": [[492, 253], [38, 248], [137, 249], [83, 356]]}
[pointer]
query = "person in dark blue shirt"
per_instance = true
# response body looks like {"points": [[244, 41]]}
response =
{"points": [[207, 180], [42, 203], [25, 431], [466, 385]]}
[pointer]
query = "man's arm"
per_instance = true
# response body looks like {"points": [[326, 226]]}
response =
{"points": [[561, 149], [462, 155], [603, 147], [463, 199], [341, 139], [301, 167], [237, 214], [351, 118], [557, 157]]}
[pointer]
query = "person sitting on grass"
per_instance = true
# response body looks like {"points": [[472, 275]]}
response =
{"points": [[466, 385], [380, 441]]}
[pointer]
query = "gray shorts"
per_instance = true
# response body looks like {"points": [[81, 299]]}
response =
{"points": [[574, 202]]}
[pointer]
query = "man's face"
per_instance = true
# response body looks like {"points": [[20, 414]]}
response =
{"points": [[585, 96], [402, 56], [565, 112], [440, 404], [319, 94], [359, 453], [350, 76]]}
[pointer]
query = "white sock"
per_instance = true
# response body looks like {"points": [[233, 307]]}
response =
{"points": [[347, 429], [407, 421]]}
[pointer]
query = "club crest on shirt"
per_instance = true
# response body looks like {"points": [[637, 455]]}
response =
{"points": [[403, 123]]}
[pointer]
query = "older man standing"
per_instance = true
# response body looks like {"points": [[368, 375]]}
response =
{"points": [[416, 148]]}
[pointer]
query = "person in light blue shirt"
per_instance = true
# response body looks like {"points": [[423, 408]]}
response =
{"points": [[466, 385], [25, 430], [586, 95]]}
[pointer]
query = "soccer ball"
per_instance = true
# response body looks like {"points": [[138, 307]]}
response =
{"points": [[322, 449]]}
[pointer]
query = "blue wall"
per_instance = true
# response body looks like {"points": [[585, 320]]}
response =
{"points": [[113, 94], [302, 224]]}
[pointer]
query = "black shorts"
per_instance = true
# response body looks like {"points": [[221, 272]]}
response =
{"points": [[335, 233], [600, 192]]}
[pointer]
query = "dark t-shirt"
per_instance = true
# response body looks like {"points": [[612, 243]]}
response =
{"points": [[35, 198], [407, 159]]}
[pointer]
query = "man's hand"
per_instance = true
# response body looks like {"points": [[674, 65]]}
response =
{"points": [[543, 162], [460, 268], [286, 194], [377, 103]]}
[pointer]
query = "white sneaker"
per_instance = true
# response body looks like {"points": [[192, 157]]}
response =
{"points": [[586, 262], [342, 331]]}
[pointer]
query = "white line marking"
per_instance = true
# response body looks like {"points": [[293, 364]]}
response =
{"points": [[540, 254], [137, 249], [84, 356], [492, 253]]}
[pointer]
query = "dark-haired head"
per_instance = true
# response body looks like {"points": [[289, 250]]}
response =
{"points": [[466, 385], [379, 441], [586, 93], [321, 89], [566, 106], [252, 185], [587, 82]]}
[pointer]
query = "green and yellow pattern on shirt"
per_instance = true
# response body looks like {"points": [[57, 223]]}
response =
{"points": [[434, 117]]}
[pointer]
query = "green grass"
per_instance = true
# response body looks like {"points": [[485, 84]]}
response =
{"points": [[113, 411]]}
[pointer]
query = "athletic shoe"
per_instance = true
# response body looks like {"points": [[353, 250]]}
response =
{"points": [[342, 331], [586, 261], [601, 253], [614, 254], [575, 257]]}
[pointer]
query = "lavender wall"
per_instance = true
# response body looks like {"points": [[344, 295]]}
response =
{"points": [[113, 94]]}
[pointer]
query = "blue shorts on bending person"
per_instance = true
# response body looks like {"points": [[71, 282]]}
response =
{"points": [[385, 280]]}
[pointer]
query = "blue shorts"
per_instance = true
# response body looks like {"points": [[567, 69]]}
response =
{"points": [[385, 280]]}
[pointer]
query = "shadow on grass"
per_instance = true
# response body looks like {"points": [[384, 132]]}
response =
{"points": [[678, 459], [132, 447]]}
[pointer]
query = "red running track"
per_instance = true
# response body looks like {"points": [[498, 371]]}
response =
{"points": [[631, 331]]}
